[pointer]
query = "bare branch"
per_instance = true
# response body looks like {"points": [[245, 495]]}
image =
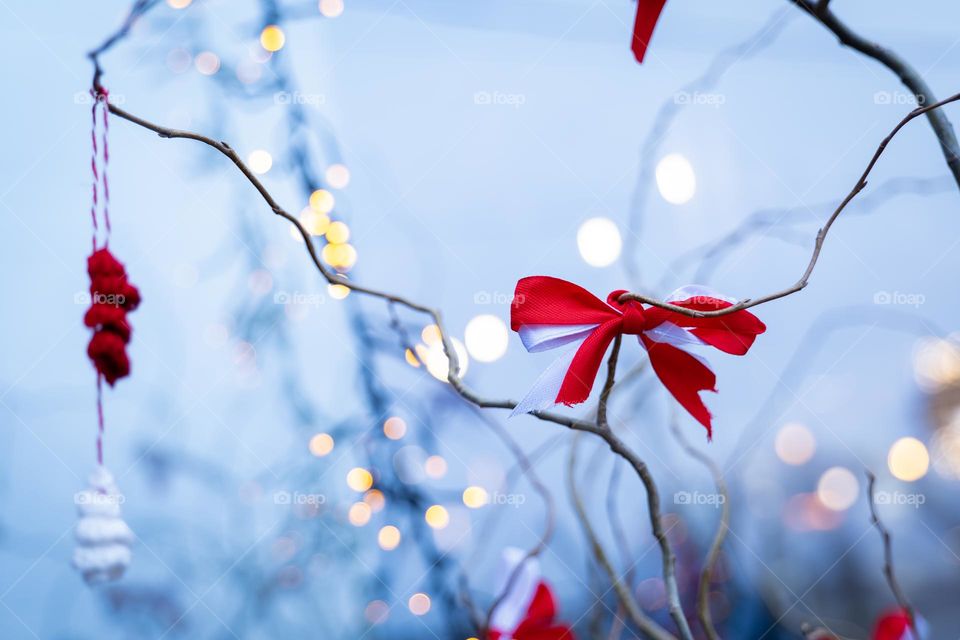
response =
{"points": [[818, 244], [703, 589], [909, 76], [888, 556]]}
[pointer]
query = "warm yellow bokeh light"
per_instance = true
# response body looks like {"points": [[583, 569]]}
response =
{"points": [[338, 291], [908, 459], [322, 201], [486, 338], [314, 222], [411, 358], [321, 444], [331, 8], [676, 180], [375, 499], [936, 363], [431, 335], [599, 242], [338, 176], [435, 358], [272, 38], [437, 517], [388, 538], [338, 232], [394, 427], [795, 444], [838, 488], [179, 4], [260, 161], [359, 479], [435, 467], [475, 497], [359, 514], [419, 604]]}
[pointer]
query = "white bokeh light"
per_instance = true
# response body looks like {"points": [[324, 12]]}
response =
{"points": [[599, 242], [486, 338], [838, 488], [676, 180], [436, 359]]}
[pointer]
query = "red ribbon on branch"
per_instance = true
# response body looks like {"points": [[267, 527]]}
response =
{"points": [[648, 13], [550, 312]]}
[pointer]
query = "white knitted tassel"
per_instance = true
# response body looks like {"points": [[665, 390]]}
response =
{"points": [[103, 538]]}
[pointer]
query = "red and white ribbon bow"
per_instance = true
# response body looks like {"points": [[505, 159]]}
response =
{"points": [[529, 610], [550, 312], [648, 13]]}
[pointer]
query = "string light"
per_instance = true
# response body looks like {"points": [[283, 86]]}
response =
{"points": [[314, 222], [322, 201], [272, 38], [338, 291], [321, 444], [338, 232]]}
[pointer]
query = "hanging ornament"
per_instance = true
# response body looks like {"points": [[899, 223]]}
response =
{"points": [[550, 312], [648, 13], [528, 611], [103, 538]]}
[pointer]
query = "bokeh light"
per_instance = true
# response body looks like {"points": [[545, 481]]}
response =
{"points": [[331, 8], [936, 363], [676, 180], [838, 488], [486, 338], [795, 444], [338, 176], [599, 242], [207, 63], [338, 232], [419, 604], [260, 161], [435, 467], [359, 479], [375, 499], [321, 444], [394, 427], [377, 612], [338, 291], [388, 538], [314, 222], [272, 38], [322, 201], [437, 517], [179, 4], [475, 497], [436, 358], [908, 459], [359, 514]]}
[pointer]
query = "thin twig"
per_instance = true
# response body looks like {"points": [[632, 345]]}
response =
{"points": [[624, 596], [608, 385], [818, 244], [713, 555], [909, 76], [888, 556]]}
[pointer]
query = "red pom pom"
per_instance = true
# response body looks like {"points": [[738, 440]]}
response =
{"points": [[112, 297]]}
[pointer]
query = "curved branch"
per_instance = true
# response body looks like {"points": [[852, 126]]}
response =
{"points": [[909, 76], [818, 244], [888, 556]]}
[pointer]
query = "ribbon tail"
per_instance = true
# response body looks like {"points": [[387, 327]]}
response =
{"points": [[648, 13], [685, 376], [543, 393]]}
